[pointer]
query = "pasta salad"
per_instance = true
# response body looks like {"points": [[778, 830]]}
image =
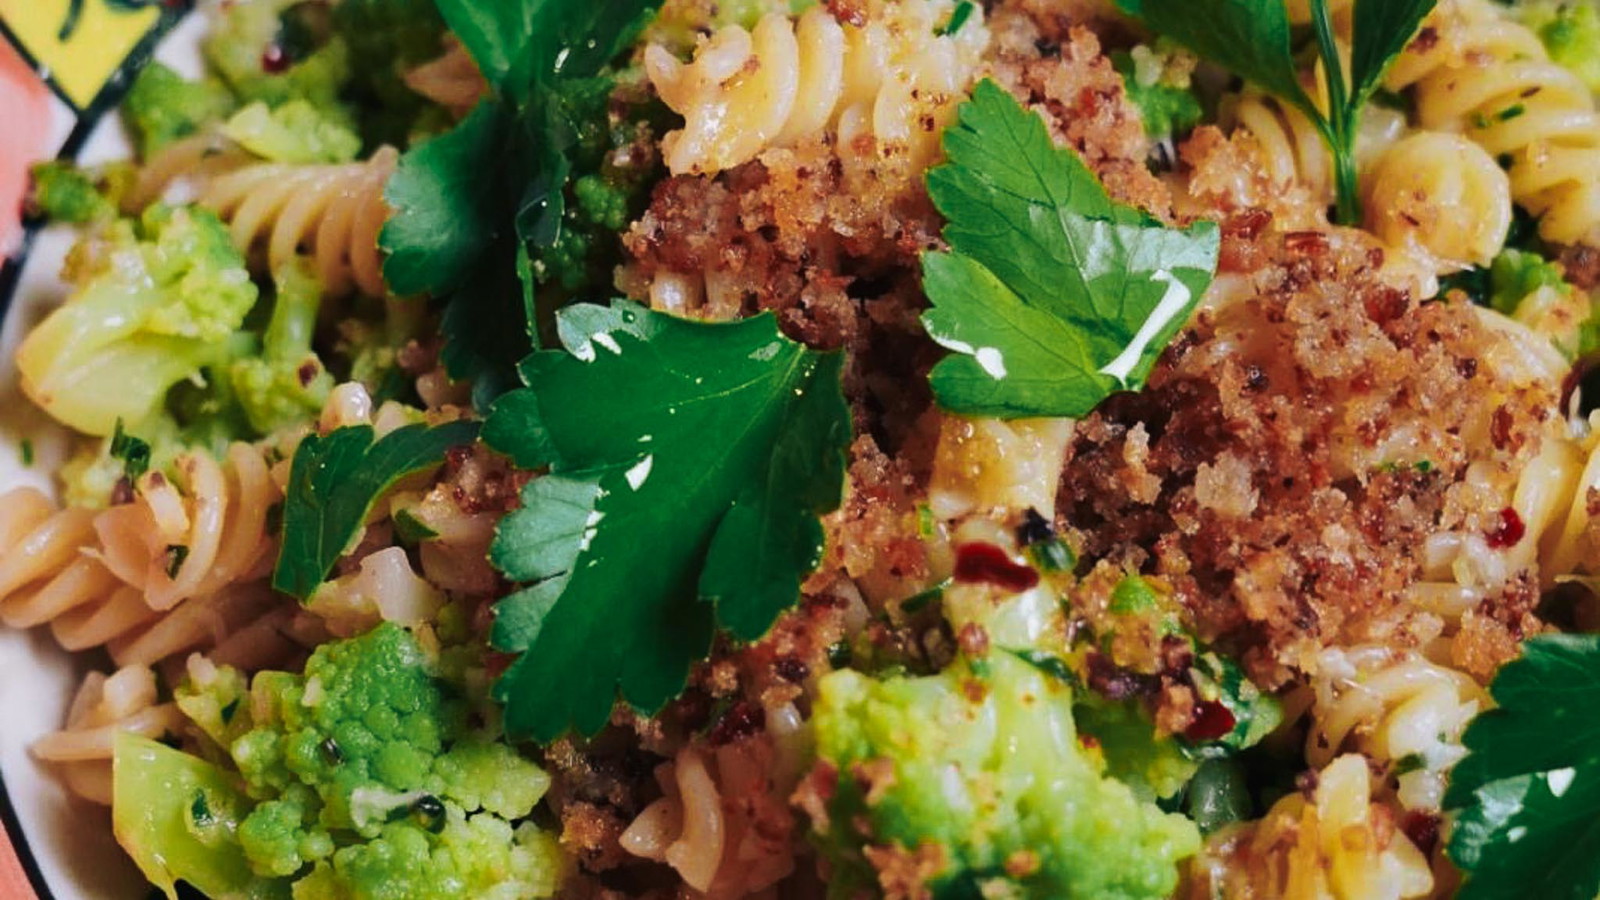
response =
{"points": [[907, 449]]}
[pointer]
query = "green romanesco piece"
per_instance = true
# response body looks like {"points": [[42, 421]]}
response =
{"points": [[362, 779], [979, 770], [1152, 765], [64, 192], [295, 132], [1534, 291], [489, 775], [249, 47], [216, 699], [1159, 84], [482, 857], [1516, 274], [163, 106], [1570, 30], [155, 302], [385, 39], [286, 383]]}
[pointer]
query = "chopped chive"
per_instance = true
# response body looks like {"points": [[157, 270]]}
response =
{"points": [[410, 529], [134, 453], [176, 554], [958, 18]]}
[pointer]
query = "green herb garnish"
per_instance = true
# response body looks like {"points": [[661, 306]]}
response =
{"points": [[176, 555], [334, 482], [1048, 663], [921, 600], [958, 18], [1253, 39], [134, 453], [1526, 797], [686, 502], [410, 529], [1052, 296], [476, 208]]}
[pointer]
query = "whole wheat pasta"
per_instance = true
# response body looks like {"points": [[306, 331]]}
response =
{"points": [[452, 80], [330, 213]]}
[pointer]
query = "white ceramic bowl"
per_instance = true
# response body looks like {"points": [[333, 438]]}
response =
{"points": [[64, 845]]}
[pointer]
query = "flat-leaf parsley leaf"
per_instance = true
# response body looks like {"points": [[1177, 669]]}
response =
{"points": [[688, 462], [1527, 795], [1053, 296], [333, 483], [476, 207]]}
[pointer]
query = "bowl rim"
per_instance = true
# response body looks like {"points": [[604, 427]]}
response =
{"points": [[66, 130]]}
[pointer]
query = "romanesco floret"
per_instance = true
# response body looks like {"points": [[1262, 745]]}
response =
{"points": [[976, 779], [482, 858], [295, 132], [600, 204], [361, 780], [1534, 291], [162, 106], [387, 37], [1516, 274], [264, 53], [154, 303], [1158, 80], [1570, 30], [286, 383], [1154, 766], [64, 192]]}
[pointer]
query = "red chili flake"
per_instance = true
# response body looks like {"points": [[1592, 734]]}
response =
{"points": [[274, 60], [984, 563], [1508, 531], [740, 721], [1212, 720], [1088, 741], [1423, 830], [791, 669]]}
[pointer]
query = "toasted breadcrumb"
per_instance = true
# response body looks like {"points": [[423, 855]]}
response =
{"points": [[1315, 398]]}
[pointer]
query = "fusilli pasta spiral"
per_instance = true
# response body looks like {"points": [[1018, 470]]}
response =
{"points": [[723, 823], [1329, 843], [1292, 149], [180, 170], [1569, 545], [452, 80], [1480, 74], [1396, 708], [104, 707], [893, 79], [172, 571], [1441, 197], [331, 213], [984, 466]]}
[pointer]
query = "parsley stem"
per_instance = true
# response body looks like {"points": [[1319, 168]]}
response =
{"points": [[1340, 117]]}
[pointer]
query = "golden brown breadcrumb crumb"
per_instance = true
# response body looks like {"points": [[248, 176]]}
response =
{"points": [[1291, 401], [1064, 76]]}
